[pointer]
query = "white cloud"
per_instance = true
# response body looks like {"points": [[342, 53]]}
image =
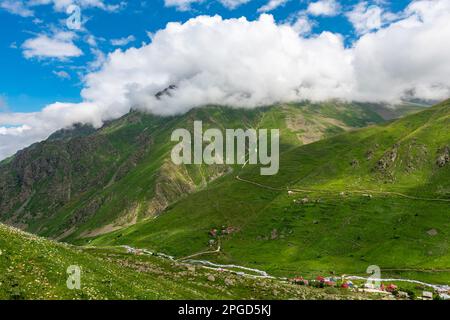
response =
{"points": [[16, 7], [185, 5], [25, 8], [324, 8], [406, 57], [59, 45], [13, 131], [62, 5], [365, 17], [62, 74], [98, 61], [182, 5], [302, 24], [232, 4], [272, 5], [233, 62], [252, 63], [18, 130], [91, 40], [123, 41]]}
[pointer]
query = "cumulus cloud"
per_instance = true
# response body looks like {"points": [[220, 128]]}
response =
{"points": [[406, 58], [18, 130], [59, 45], [272, 5], [301, 23], [182, 5], [244, 63], [25, 8], [123, 41], [234, 62], [185, 5], [17, 7], [62, 5], [232, 4], [324, 8], [365, 17]]}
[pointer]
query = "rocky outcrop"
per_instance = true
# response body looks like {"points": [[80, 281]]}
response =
{"points": [[388, 159], [41, 179], [443, 156]]}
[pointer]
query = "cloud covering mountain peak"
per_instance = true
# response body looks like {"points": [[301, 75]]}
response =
{"points": [[244, 63]]}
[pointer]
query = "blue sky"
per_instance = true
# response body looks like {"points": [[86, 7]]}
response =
{"points": [[29, 84]]}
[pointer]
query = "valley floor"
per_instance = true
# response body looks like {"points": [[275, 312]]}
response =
{"points": [[36, 268]]}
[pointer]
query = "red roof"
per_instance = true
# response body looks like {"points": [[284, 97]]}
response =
{"points": [[320, 278]]}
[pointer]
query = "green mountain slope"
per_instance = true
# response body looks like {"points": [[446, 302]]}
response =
{"points": [[379, 195], [35, 268], [84, 182]]}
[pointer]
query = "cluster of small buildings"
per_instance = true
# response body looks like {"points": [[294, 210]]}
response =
{"points": [[390, 289], [222, 231], [322, 282]]}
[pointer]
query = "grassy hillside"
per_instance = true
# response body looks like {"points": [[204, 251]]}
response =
{"points": [[379, 195], [35, 268], [84, 182]]}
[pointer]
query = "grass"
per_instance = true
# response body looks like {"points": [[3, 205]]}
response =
{"points": [[35, 268], [344, 234], [118, 173]]}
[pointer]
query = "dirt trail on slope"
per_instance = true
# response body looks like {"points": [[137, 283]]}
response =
{"points": [[334, 192]]}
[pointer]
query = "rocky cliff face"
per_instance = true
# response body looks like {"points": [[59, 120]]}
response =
{"points": [[56, 186], [41, 179]]}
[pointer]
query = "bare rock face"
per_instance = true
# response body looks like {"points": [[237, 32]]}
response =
{"points": [[443, 157], [388, 158], [384, 167], [41, 179]]}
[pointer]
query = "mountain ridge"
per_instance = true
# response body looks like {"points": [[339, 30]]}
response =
{"points": [[325, 225], [80, 176]]}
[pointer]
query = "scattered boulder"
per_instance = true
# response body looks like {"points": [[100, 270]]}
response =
{"points": [[354, 163], [191, 268], [211, 278], [229, 282], [432, 232], [302, 201]]}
